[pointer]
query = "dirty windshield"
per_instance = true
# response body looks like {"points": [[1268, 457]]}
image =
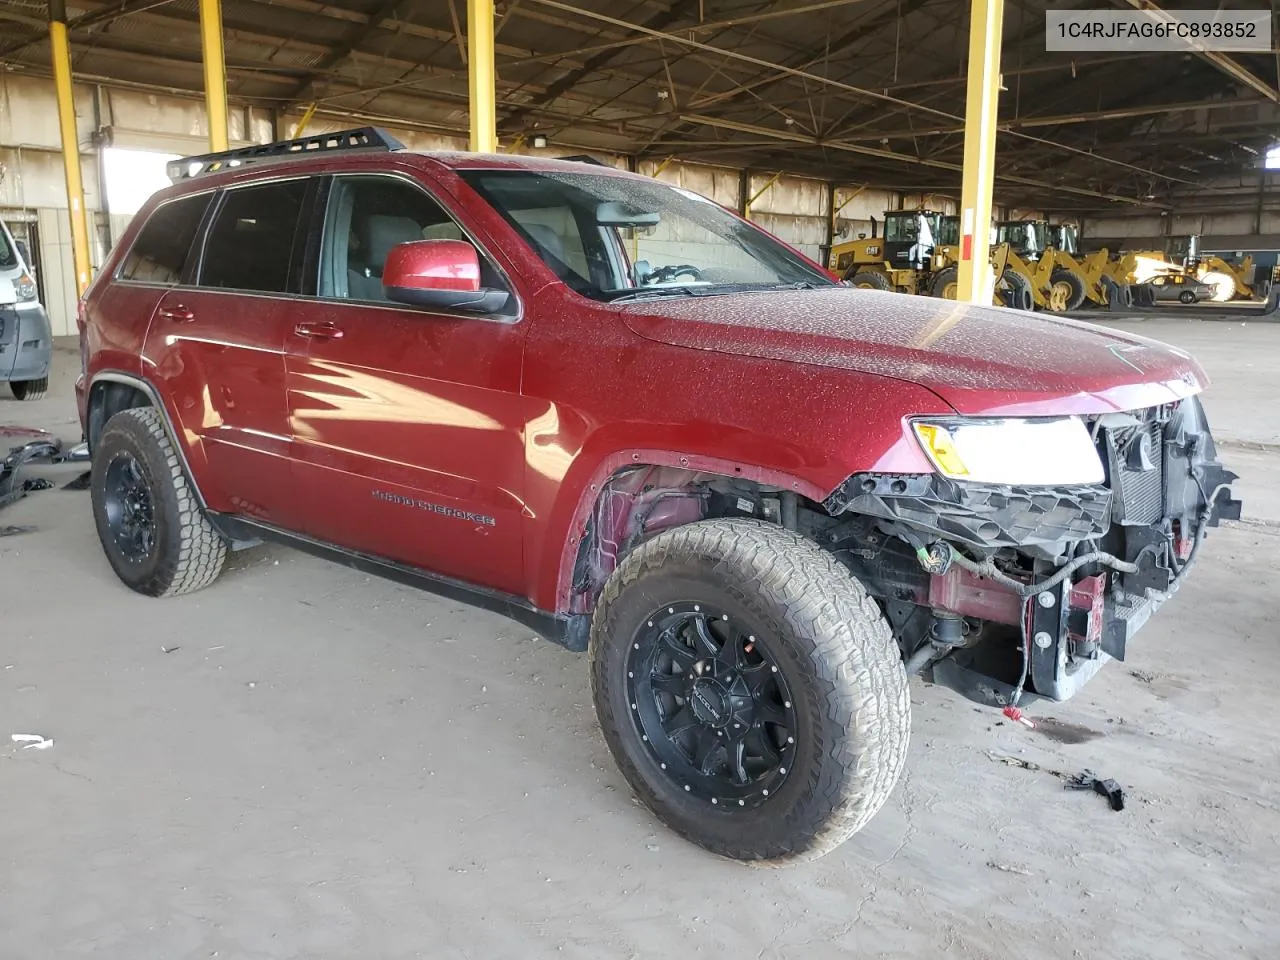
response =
{"points": [[616, 238]]}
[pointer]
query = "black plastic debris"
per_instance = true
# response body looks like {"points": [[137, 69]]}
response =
{"points": [[1088, 780]]}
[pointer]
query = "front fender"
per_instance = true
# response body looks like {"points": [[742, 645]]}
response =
{"points": [[569, 463]]}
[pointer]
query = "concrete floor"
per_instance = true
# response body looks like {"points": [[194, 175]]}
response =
{"points": [[333, 766]]}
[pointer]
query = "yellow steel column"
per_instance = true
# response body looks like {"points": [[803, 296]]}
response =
{"points": [[70, 142], [483, 82], [986, 21], [215, 72]]}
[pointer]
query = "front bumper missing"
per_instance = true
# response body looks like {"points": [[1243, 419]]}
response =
{"points": [[1164, 488]]}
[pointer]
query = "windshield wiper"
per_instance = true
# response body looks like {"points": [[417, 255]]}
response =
{"points": [[653, 293]]}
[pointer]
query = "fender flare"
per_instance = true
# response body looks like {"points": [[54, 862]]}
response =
{"points": [[147, 389], [570, 536]]}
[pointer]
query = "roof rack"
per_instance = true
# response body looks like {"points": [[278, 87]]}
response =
{"points": [[362, 138], [585, 158]]}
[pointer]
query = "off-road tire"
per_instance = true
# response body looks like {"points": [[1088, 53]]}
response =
{"points": [[945, 278], [29, 389], [872, 279], [1071, 279], [834, 648], [188, 552]]}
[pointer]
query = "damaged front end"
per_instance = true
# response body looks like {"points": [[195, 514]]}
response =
{"points": [[995, 589]]}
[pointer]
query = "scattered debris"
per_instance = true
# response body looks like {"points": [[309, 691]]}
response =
{"points": [[38, 446], [33, 741], [1142, 676], [1014, 714], [13, 531], [1108, 788], [1009, 868], [169, 649], [1013, 761]]}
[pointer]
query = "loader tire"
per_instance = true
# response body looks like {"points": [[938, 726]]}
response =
{"points": [[869, 280], [1072, 280]]}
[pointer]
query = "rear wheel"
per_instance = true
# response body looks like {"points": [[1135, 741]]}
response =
{"points": [[29, 389], [946, 284], [870, 280], [1187, 296], [156, 537], [749, 689]]}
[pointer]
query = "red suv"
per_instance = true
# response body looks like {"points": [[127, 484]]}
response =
{"points": [[622, 415]]}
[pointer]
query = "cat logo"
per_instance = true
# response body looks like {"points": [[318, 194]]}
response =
{"points": [[873, 250]]}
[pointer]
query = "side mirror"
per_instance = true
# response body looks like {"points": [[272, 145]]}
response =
{"points": [[444, 274]]}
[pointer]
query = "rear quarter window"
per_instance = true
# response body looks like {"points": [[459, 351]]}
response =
{"points": [[163, 246]]}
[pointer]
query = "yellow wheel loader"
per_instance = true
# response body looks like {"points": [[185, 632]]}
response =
{"points": [[1230, 281], [1011, 288], [1084, 275], [1030, 253], [902, 260]]}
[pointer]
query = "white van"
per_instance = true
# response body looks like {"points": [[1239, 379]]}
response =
{"points": [[26, 344]]}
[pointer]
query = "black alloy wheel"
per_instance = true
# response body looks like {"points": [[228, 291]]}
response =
{"points": [[130, 507], [711, 705]]}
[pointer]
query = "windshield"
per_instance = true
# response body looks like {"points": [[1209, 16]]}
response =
{"points": [[1025, 236], [912, 227], [612, 238], [949, 231]]}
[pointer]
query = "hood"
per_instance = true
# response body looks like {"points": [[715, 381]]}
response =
{"points": [[980, 360]]}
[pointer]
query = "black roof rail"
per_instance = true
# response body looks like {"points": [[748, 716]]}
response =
{"points": [[361, 138]]}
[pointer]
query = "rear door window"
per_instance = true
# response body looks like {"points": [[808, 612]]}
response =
{"points": [[251, 241], [163, 246]]}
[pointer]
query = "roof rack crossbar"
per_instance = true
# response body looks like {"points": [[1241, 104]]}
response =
{"points": [[361, 138]]}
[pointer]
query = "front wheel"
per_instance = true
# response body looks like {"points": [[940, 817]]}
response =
{"points": [[749, 689], [868, 279]]}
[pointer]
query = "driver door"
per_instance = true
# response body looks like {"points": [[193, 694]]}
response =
{"points": [[407, 421]]}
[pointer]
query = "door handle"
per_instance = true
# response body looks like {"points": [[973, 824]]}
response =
{"points": [[322, 330], [176, 312]]}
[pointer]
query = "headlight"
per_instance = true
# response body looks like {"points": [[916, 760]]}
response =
{"points": [[25, 288], [1025, 452]]}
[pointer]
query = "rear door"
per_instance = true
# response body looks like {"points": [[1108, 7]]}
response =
{"points": [[216, 346], [407, 422], [119, 312]]}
